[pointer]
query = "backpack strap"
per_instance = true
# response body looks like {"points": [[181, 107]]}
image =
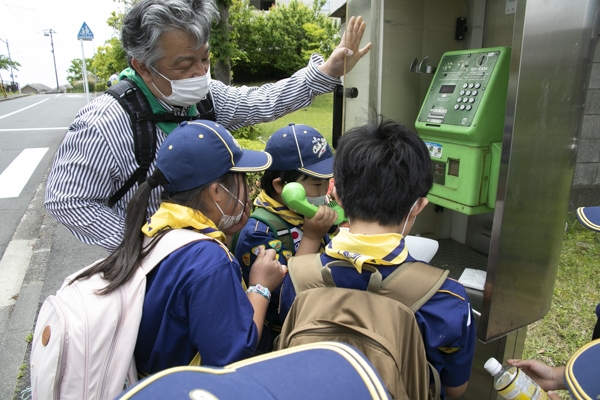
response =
{"points": [[133, 101], [171, 241], [143, 125], [277, 225], [206, 108], [419, 283]]}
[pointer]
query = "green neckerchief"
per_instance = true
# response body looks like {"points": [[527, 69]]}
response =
{"points": [[157, 108]]}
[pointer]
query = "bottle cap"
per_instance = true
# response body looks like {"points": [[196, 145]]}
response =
{"points": [[493, 366]]}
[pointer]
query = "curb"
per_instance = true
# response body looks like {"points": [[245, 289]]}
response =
{"points": [[36, 227], [16, 96]]}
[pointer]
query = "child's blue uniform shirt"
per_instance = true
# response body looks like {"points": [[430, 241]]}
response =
{"points": [[253, 235], [195, 302], [445, 321]]}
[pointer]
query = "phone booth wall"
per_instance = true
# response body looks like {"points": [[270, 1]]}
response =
{"points": [[513, 224]]}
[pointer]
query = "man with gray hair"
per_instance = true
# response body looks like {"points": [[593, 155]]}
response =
{"points": [[166, 42]]}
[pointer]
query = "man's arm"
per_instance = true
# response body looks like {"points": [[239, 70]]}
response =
{"points": [[242, 106], [86, 169]]}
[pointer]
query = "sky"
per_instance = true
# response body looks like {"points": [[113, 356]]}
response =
{"points": [[22, 24]]}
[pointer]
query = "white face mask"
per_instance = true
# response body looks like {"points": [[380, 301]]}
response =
{"points": [[227, 221], [186, 92], [318, 200], [406, 222]]}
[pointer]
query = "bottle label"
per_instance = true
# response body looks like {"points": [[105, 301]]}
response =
{"points": [[522, 388]]}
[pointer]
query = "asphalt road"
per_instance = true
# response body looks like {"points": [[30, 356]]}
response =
{"points": [[36, 253]]}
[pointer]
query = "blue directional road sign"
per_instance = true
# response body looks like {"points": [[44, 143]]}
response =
{"points": [[85, 33]]}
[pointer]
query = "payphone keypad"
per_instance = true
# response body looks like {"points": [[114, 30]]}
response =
{"points": [[472, 73]]}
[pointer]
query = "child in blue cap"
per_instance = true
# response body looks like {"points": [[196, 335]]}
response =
{"points": [[196, 301], [300, 154]]}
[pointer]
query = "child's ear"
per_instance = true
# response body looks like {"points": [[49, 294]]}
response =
{"points": [[278, 185], [335, 196], [421, 203]]}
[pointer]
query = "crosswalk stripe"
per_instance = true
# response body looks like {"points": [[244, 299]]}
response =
{"points": [[15, 176]]}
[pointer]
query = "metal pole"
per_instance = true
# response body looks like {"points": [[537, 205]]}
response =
{"points": [[10, 61], [49, 32], [84, 70]]}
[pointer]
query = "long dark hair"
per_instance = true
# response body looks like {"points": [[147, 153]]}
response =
{"points": [[120, 266]]}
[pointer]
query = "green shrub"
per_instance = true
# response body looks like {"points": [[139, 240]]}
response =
{"points": [[247, 132], [253, 178]]}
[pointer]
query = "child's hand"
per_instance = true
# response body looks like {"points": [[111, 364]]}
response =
{"points": [[549, 378], [267, 270], [316, 227]]}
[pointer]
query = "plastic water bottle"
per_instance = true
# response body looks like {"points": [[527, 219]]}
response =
{"points": [[512, 383]]}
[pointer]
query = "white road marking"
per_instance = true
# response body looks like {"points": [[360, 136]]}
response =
{"points": [[35, 129], [22, 109], [13, 267], [15, 176]]}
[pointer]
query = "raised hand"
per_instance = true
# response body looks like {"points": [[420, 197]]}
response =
{"points": [[347, 52]]}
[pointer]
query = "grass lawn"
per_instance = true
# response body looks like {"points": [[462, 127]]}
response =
{"points": [[570, 321], [319, 115]]}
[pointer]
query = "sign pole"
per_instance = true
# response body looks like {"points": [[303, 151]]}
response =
{"points": [[85, 33], [84, 70]]}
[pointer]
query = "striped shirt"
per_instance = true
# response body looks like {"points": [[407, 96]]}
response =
{"points": [[97, 155]]}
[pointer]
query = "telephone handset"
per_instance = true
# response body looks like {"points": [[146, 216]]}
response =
{"points": [[294, 196]]}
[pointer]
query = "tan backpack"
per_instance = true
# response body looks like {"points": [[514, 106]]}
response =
{"points": [[380, 321]]}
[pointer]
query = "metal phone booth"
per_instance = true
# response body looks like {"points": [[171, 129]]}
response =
{"points": [[504, 162]]}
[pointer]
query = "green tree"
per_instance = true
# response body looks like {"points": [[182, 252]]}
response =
{"points": [[75, 71], [6, 63], [221, 46], [277, 43], [109, 59]]}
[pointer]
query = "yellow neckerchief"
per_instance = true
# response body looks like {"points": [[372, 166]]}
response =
{"points": [[384, 249], [174, 216], [263, 200]]}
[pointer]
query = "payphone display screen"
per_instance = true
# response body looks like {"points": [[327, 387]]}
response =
{"points": [[459, 88], [447, 88]]}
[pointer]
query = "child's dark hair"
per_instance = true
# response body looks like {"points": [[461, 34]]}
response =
{"points": [[380, 171], [266, 181]]}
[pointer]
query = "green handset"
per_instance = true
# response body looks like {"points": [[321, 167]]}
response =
{"points": [[294, 196]]}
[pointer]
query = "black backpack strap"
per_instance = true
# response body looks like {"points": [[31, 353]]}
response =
{"points": [[206, 108], [143, 125], [133, 101]]}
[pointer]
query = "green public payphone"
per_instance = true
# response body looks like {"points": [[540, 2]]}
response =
{"points": [[461, 122]]}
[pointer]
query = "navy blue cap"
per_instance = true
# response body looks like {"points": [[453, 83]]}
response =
{"points": [[581, 372], [323, 370], [589, 217], [301, 148], [198, 152]]}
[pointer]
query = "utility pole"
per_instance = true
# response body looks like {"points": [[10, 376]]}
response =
{"points": [[10, 61], [49, 32]]}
